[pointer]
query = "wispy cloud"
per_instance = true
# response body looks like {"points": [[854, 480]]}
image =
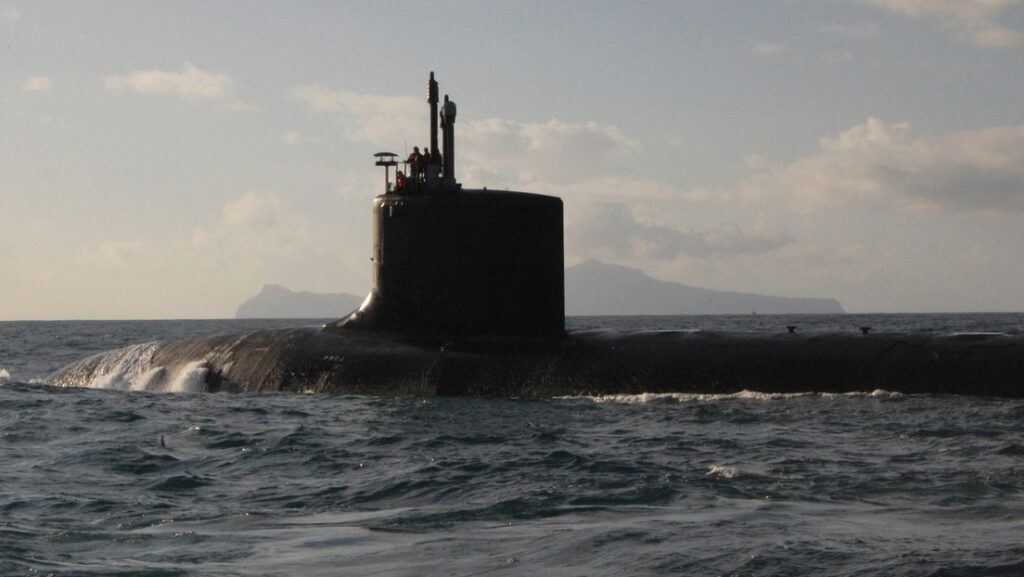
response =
{"points": [[113, 254], [615, 232], [975, 21], [381, 120], [252, 212], [553, 153], [258, 225], [191, 84], [770, 49], [883, 165], [37, 84], [294, 138], [259, 237]]}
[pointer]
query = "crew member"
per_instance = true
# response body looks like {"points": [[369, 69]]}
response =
{"points": [[415, 159]]}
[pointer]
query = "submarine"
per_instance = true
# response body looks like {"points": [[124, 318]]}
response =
{"points": [[467, 299]]}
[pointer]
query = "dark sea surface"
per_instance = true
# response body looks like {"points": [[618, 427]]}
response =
{"points": [[104, 482]]}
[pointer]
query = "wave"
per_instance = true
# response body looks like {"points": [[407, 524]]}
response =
{"points": [[132, 369], [188, 379], [723, 471], [5, 377]]}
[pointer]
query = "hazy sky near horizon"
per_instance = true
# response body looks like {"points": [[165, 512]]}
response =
{"points": [[168, 159]]}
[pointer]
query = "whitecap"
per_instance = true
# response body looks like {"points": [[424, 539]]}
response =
{"points": [[5, 377], [647, 398], [666, 398], [190, 378], [877, 394], [723, 471], [121, 370], [150, 380], [187, 379], [759, 396]]}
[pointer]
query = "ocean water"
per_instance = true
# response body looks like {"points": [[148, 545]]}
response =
{"points": [[104, 482]]}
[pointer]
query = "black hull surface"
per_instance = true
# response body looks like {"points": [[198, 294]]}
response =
{"points": [[596, 362]]}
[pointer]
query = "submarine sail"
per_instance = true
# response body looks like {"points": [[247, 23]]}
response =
{"points": [[449, 261]]}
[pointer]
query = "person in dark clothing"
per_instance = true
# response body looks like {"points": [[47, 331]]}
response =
{"points": [[415, 161]]}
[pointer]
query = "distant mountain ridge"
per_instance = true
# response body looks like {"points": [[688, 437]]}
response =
{"points": [[591, 288], [595, 288]]}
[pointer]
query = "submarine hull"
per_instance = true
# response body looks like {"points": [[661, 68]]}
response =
{"points": [[596, 362]]}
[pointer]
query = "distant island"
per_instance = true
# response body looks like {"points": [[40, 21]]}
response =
{"points": [[277, 302], [591, 288], [596, 288]]}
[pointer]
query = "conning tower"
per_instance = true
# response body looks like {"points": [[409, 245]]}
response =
{"points": [[461, 263]]}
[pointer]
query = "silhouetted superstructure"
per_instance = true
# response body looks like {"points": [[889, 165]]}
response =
{"points": [[453, 262]]}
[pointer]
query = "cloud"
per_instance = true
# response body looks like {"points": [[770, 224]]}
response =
{"points": [[293, 138], [252, 212], [259, 237], [9, 13], [255, 228], [37, 84], [381, 120], [883, 165], [613, 231], [770, 49], [191, 84], [552, 153], [972, 20], [112, 254]]}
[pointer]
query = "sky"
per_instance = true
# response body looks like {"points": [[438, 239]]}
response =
{"points": [[168, 159]]}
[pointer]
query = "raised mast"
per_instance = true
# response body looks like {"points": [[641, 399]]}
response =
{"points": [[432, 99], [448, 155]]}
